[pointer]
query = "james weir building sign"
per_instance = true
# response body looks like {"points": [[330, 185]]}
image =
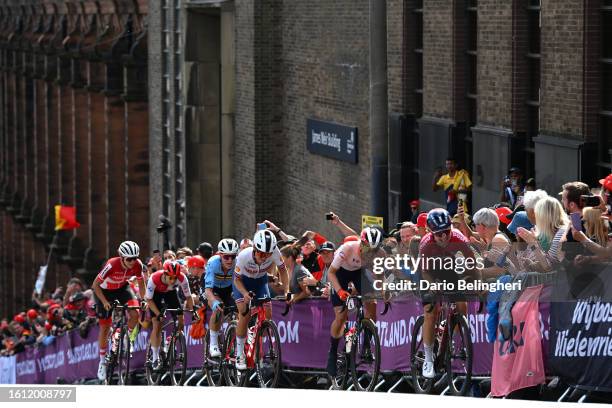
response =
{"points": [[332, 140]]}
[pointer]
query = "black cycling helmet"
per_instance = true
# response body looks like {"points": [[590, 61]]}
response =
{"points": [[206, 250], [438, 219]]}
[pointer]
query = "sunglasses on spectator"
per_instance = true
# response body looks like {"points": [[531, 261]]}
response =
{"points": [[227, 257], [131, 259]]}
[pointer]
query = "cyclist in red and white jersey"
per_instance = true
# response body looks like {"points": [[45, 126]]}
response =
{"points": [[112, 284], [349, 261], [441, 243], [161, 287]]}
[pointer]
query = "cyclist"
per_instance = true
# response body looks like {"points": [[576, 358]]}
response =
{"points": [[347, 266], [112, 284], [251, 275], [218, 287], [162, 287], [440, 243]]}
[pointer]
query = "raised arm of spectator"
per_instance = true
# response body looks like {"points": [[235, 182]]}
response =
{"points": [[276, 230], [344, 229], [435, 186], [601, 252]]}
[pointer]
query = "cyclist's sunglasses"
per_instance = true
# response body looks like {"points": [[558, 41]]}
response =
{"points": [[263, 254], [227, 257], [131, 259], [441, 234]]}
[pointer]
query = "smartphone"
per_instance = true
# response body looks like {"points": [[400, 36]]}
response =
{"points": [[576, 221], [329, 216], [261, 226], [589, 200]]}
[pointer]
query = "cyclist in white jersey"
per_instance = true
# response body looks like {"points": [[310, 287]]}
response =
{"points": [[251, 275]]}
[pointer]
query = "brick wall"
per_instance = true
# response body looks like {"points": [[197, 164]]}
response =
{"points": [[395, 54], [438, 68], [561, 106], [494, 62]]}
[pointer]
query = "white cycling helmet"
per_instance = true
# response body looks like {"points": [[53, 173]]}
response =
{"points": [[371, 237], [228, 246], [264, 241], [129, 249]]}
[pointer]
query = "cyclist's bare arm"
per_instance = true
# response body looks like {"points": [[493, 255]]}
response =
{"points": [[98, 291], [333, 279], [189, 303], [142, 288]]}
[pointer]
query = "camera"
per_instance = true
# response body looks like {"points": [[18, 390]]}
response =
{"points": [[329, 216], [589, 200]]}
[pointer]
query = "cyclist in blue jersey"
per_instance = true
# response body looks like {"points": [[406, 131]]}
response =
{"points": [[218, 288], [251, 275]]}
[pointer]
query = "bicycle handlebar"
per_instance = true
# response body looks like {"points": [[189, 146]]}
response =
{"points": [[255, 302]]}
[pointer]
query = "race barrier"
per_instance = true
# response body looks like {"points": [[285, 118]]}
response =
{"points": [[304, 335]]}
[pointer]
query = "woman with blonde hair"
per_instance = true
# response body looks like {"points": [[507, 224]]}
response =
{"points": [[594, 225], [552, 224]]}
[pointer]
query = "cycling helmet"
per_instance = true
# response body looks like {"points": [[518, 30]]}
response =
{"points": [[129, 249], [195, 261], [228, 246], [371, 237], [172, 268], [264, 241], [438, 219]]}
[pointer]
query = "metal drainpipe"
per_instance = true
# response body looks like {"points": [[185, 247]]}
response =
{"points": [[379, 154]]}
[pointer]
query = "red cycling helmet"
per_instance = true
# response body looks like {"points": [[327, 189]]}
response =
{"points": [[195, 262], [172, 268]]}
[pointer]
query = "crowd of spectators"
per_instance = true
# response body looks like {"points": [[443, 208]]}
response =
{"points": [[528, 230]]}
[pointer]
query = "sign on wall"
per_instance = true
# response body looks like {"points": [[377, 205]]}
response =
{"points": [[332, 140]]}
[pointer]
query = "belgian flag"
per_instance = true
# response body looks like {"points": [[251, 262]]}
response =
{"points": [[65, 218]]}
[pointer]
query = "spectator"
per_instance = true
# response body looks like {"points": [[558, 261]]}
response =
{"points": [[205, 250], [414, 211], [406, 232], [77, 310], [595, 227], [195, 270], [530, 185], [461, 222], [491, 242], [311, 259], [183, 252], [454, 183], [169, 255], [301, 280], [74, 285], [327, 254], [552, 225], [570, 197], [245, 243], [421, 224], [512, 187], [526, 219]]}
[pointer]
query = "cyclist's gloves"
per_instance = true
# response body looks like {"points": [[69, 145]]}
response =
{"points": [[343, 294]]}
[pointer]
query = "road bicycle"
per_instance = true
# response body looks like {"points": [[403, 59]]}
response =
{"points": [[172, 352], [262, 348], [361, 353], [452, 351], [119, 356]]}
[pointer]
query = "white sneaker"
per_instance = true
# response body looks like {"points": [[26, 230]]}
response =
{"points": [[102, 371], [214, 351], [428, 369], [241, 362]]}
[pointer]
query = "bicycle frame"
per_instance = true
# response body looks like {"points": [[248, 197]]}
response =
{"points": [[260, 312]]}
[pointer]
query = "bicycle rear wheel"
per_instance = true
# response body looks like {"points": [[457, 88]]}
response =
{"points": [[233, 377], [212, 367], [268, 355], [421, 384], [459, 356], [178, 359], [365, 357]]}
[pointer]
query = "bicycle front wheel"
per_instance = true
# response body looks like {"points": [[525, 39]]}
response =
{"points": [[421, 384], [365, 357], [459, 356], [123, 359], [111, 357], [153, 376], [268, 355], [212, 367], [178, 359]]}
